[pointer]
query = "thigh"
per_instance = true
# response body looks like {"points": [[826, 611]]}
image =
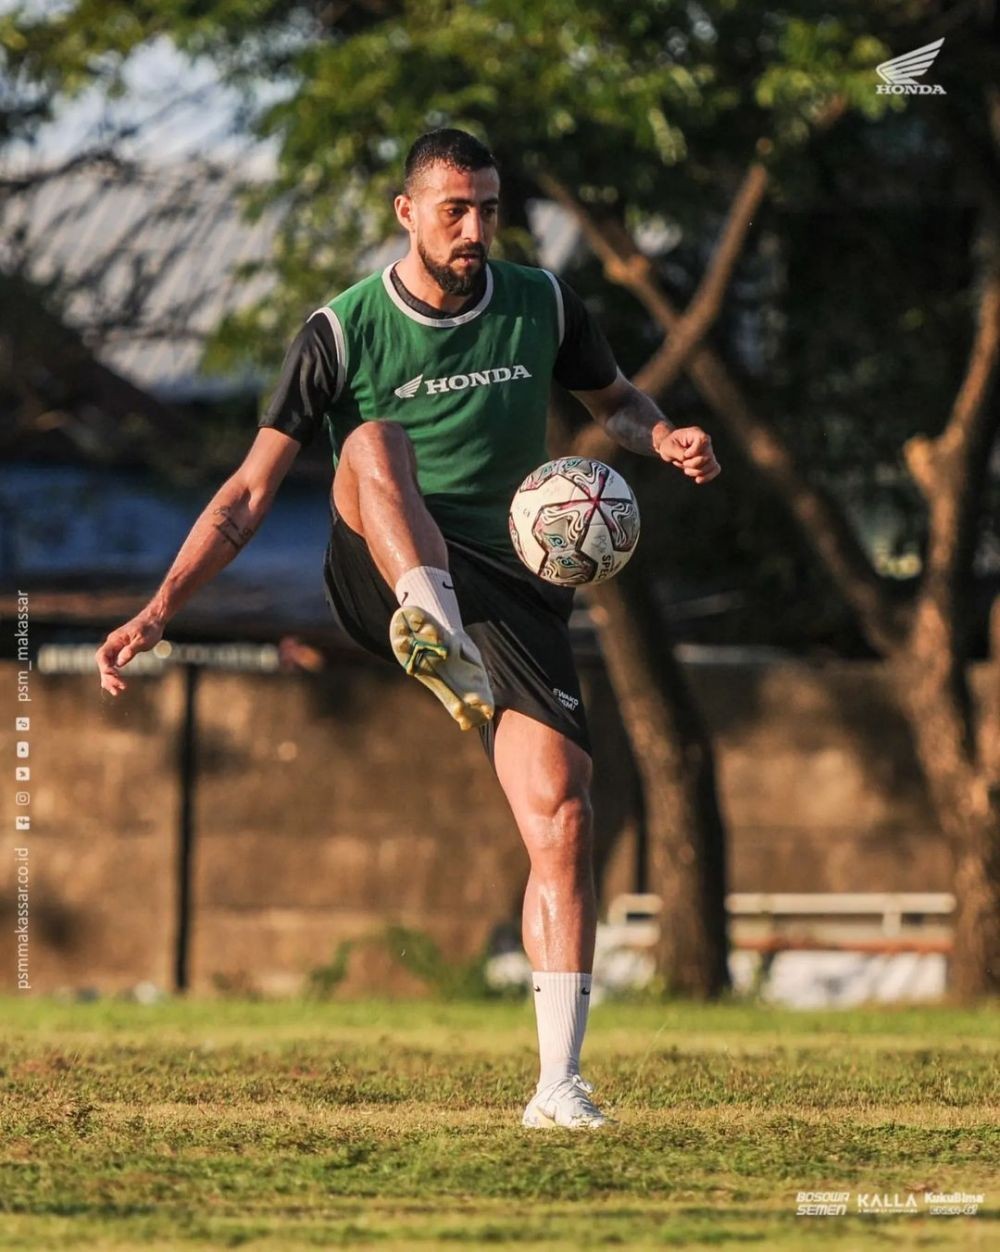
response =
{"points": [[373, 447]]}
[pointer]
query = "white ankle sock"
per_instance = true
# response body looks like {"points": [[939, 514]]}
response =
{"points": [[561, 1005], [432, 589]]}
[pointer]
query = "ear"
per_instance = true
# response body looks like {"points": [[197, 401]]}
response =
{"points": [[403, 205]]}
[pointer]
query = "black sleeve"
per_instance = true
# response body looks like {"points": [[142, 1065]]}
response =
{"points": [[585, 361], [307, 384]]}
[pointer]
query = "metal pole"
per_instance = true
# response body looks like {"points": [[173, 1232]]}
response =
{"points": [[185, 832]]}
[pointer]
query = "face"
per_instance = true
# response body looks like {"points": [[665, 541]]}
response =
{"points": [[452, 217]]}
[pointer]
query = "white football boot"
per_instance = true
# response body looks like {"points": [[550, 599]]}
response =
{"points": [[446, 662], [565, 1103]]}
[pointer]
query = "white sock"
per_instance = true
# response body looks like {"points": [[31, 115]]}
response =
{"points": [[561, 1005], [431, 589]]}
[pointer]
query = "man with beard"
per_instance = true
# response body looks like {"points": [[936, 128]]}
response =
{"points": [[432, 379]]}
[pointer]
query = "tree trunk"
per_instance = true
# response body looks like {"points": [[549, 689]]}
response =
{"points": [[686, 839], [685, 833], [968, 811], [931, 692]]}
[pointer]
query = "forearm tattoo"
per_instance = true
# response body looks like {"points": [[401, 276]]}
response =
{"points": [[239, 536], [632, 425]]}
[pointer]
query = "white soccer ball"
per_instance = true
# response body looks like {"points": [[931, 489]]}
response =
{"points": [[574, 521]]}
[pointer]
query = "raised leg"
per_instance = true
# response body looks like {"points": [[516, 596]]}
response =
{"points": [[375, 491]]}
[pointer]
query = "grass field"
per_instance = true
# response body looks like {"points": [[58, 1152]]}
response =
{"points": [[396, 1125]]}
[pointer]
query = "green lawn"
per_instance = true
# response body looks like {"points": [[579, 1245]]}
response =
{"points": [[396, 1125]]}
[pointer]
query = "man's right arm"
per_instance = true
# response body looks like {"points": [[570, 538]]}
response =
{"points": [[306, 387], [225, 526]]}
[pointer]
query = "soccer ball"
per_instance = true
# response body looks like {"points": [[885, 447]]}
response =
{"points": [[574, 521]]}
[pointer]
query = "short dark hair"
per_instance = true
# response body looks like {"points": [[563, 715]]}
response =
{"points": [[456, 148]]}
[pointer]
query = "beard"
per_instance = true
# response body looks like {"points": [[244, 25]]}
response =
{"points": [[455, 282]]}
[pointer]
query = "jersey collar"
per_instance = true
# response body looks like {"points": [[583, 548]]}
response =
{"points": [[444, 322]]}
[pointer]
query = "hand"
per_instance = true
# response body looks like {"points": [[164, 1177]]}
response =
{"points": [[690, 449], [139, 635]]}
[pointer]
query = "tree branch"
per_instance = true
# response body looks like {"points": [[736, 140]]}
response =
{"points": [[103, 155], [820, 519], [662, 370], [950, 469], [667, 362]]}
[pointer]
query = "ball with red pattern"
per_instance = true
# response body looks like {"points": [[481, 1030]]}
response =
{"points": [[574, 521]]}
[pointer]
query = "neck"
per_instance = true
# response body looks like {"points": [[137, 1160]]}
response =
{"points": [[419, 283]]}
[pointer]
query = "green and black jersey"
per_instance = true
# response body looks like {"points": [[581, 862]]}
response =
{"points": [[470, 388]]}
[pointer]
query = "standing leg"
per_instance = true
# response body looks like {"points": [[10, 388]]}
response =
{"points": [[546, 778], [375, 491]]}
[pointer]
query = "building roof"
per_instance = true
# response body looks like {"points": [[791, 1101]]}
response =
{"points": [[146, 264], [148, 261]]}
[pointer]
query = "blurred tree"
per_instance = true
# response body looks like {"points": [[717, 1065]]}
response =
{"points": [[925, 639], [655, 122]]}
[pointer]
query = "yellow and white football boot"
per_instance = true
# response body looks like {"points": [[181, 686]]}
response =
{"points": [[446, 662]]}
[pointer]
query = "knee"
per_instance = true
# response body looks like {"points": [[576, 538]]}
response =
{"points": [[378, 448], [562, 826]]}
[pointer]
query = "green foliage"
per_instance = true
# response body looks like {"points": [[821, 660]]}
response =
{"points": [[417, 952], [636, 106], [853, 294], [323, 981], [633, 106]]}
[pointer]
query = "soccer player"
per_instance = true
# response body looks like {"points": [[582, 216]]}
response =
{"points": [[432, 379]]}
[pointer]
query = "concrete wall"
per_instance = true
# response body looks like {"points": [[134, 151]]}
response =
{"points": [[327, 805], [330, 804], [819, 780], [101, 848]]}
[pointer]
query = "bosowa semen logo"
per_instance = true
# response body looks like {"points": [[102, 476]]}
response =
{"points": [[899, 75]]}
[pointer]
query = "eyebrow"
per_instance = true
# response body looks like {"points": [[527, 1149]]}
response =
{"points": [[459, 200]]}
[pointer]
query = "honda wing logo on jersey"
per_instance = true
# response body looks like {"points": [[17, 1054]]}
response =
{"points": [[898, 75], [410, 389], [459, 382]]}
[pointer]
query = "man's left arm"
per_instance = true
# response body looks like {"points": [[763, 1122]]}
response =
{"points": [[586, 366], [632, 419]]}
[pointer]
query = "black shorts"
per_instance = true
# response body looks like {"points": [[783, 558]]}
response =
{"points": [[519, 623]]}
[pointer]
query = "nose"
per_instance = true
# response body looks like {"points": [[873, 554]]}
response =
{"points": [[472, 227]]}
